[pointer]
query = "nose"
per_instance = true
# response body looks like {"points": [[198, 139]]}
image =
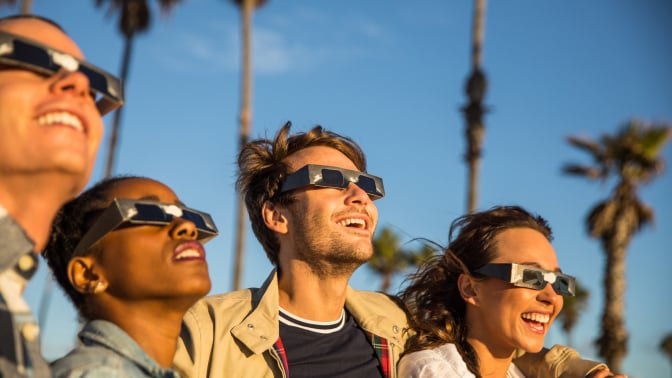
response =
{"points": [[75, 84], [183, 229], [548, 295], [357, 195]]}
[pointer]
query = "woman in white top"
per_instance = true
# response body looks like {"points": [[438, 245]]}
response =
{"points": [[496, 289]]}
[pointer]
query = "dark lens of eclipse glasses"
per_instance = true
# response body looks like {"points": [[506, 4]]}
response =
{"points": [[333, 178]]}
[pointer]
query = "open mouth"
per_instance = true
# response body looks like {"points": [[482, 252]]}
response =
{"points": [[353, 223], [536, 321], [61, 119], [189, 251]]}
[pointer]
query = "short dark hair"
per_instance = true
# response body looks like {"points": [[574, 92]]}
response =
{"points": [[71, 223], [261, 169]]}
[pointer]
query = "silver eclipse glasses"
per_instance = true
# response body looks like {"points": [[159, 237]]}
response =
{"points": [[324, 176], [144, 212], [17, 51], [530, 277]]}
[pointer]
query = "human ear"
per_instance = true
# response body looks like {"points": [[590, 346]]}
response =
{"points": [[468, 288], [274, 218], [84, 277]]}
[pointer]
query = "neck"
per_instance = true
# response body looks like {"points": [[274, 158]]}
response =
{"points": [[33, 202], [313, 297], [490, 363], [154, 326]]}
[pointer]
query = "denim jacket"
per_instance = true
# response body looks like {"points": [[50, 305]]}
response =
{"points": [[107, 351], [19, 334]]}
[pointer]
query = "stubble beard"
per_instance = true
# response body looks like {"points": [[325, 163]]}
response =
{"points": [[323, 249]]}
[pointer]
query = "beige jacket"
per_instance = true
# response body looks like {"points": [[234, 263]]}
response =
{"points": [[232, 335]]}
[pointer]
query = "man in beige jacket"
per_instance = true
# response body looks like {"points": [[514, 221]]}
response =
{"points": [[311, 204]]}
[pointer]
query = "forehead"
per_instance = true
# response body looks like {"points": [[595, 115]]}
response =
{"points": [[137, 188], [319, 155], [525, 246], [42, 32]]}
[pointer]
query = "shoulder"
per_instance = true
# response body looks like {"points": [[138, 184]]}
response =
{"points": [[557, 361], [230, 308], [90, 361], [14, 242], [374, 303], [220, 307]]}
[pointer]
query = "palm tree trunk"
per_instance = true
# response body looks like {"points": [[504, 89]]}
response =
{"points": [[612, 342], [245, 124], [116, 124], [26, 5], [475, 89], [387, 282], [474, 165], [478, 32]]}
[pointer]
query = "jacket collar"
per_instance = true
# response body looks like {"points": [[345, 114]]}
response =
{"points": [[260, 329]]}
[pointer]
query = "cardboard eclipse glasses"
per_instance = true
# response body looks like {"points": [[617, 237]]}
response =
{"points": [[144, 212], [324, 176], [530, 277], [25, 53]]}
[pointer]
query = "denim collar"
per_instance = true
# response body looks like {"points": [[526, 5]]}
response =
{"points": [[108, 334]]}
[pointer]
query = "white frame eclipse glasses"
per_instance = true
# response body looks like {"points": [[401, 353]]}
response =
{"points": [[529, 276]]}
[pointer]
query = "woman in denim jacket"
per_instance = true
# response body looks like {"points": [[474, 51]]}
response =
{"points": [[129, 255]]}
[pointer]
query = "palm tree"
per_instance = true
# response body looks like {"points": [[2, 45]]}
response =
{"points": [[666, 346], [247, 8], [632, 157], [390, 259], [474, 110], [134, 18], [572, 309]]}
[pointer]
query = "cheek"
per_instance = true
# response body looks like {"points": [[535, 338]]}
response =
{"points": [[95, 133], [513, 299], [129, 246], [374, 215], [559, 304]]}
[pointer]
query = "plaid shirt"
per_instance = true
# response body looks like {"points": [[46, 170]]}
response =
{"points": [[379, 344], [20, 354]]}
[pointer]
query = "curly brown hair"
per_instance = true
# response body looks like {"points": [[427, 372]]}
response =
{"points": [[68, 228], [261, 170], [436, 309]]}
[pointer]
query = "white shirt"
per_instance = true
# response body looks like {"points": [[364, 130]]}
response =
{"points": [[443, 361]]}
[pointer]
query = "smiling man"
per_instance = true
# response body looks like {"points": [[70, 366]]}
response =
{"points": [[311, 204], [51, 106]]}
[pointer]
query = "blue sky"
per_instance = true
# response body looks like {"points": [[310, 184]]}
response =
{"points": [[390, 74]]}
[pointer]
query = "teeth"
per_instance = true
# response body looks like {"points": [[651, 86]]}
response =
{"points": [[352, 222], [535, 317], [187, 253], [61, 118]]}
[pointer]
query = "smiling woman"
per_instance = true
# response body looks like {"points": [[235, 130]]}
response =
{"points": [[130, 256], [495, 289]]}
